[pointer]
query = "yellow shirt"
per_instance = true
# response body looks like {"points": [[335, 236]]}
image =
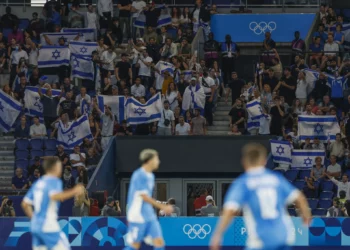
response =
{"points": [[166, 83]]}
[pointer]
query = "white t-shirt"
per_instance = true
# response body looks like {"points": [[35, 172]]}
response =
{"points": [[168, 115], [145, 70], [109, 59], [33, 57], [209, 83], [16, 55], [91, 20], [37, 130], [183, 130], [301, 91], [76, 157], [264, 128], [138, 5], [78, 99], [334, 169], [333, 47], [138, 91]]}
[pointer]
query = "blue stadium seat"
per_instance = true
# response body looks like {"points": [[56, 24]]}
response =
{"points": [[21, 163], [346, 13], [36, 144], [6, 32], [319, 212], [35, 153], [326, 195], [21, 154], [292, 212], [50, 144], [49, 152], [300, 184], [348, 172], [304, 173], [23, 23], [325, 203], [312, 203], [22, 144], [291, 174], [327, 186]]}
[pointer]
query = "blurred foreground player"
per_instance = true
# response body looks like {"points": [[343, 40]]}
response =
{"points": [[45, 196], [141, 217], [263, 197]]}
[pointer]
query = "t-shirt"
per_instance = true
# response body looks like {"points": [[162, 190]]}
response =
{"points": [[237, 114], [123, 3], [316, 48], [145, 70], [198, 124], [301, 91], [334, 168], [76, 157], [50, 106], [69, 107], [166, 114], [288, 94], [37, 130], [206, 84], [19, 182], [183, 130], [123, 70]]}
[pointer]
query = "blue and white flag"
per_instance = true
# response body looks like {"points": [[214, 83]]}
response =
{"points": [[140, 21], [9, 111], [193, 98], [165, 66], [138, 113], [116, 103], [75, 133], [187, 75], [33, 105], [88, 33], [82, 67], [53, 56], [281, 151], [323, 127], [254, 110], [54, 37], [82, 48], [311, 76], [306, 158], [84, 107], [164, 18]]}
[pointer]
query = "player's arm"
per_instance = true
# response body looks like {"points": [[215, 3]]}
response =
{"points": [[69, 193], [27, 203], [166, 208]]}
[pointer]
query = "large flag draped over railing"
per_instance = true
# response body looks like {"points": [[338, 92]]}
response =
{"points": [[116, 103], [281, 151], [9, 111], [138, 113], [75, 133], [54, 37], [323, 127], [306, 158], [53, 56]]}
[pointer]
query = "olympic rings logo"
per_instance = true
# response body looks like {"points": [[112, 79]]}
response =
{"points": [[196, 231], [262, 27]]}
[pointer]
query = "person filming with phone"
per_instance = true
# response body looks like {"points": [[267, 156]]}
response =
{"points": [[111, 208]]}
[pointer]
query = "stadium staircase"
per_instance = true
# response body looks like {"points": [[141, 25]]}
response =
{"points": [[7, 161], [221, 118]]}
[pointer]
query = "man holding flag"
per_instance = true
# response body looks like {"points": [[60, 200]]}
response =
{"points": [[108, 120]]}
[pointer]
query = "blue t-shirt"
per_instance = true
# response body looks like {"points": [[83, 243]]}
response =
{"points": [[338, 36], [316, 49], [139, 211], [323, 36], [337, 86], [263, 196], [19, 182], [45, 210]]}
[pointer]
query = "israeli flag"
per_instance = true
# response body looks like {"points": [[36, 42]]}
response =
{"points": [[193, 98], [187, 75], [306, 158], [116, 103], [323, 127], [138, 113], [84, 107], [75, 133], [88, 33], [281, 151], [9, 111], [53, 56], [140, 21], [82, 48], [82, 67], [254, 110], [252, 124], [165, 66], [33, 105], [54, 37], [164, 19]]}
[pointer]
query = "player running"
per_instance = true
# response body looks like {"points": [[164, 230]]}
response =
{"points": [[45, 196], [141, 217], [263, 196]]}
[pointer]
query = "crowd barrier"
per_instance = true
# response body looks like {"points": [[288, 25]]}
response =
{"points": [[252, 27], [91, 233]]}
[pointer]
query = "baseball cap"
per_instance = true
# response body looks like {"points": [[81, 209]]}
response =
{"points": [[193, 79], [109, 199], [209, 198]]}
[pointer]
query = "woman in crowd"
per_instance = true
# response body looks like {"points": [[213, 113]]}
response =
{"points": [[175, 17], [318, 170], [81, 205], [177, 114], [12, 47], [186, 17], [94, 127], [302, 88], [8, 90], [277, 113], [67, 178], [297, 107], [106, 88], [173, 96], [82, 177], [188, 117]]}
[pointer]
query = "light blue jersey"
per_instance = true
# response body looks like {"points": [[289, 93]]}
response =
{"points": [[263, 196], [46, 231]]}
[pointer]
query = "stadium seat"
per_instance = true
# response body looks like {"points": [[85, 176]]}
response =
{"points": [[312, 203], [326, 195], [300, 184], [346, 13], [327, 186], [49, 152], [291, 174], [50, 144], [6, 32], [304, 173], [348, 172], [23, 23], [35, 153], [36, 144], [21, 154], [21, 163], [292, 212], [319, 212], [22, 144], [325, 203]]}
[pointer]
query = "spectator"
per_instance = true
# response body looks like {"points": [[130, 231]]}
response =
{"points": [[298, 66], [200, 201], [17, 57], [237, 115], [19, 182], [16, 34], [9, 20], [169, 49], [334, 169], [166, 124], [124, 129], [176, 210], [145, 63], [326, 105], [37, 130], [105, 11], [22, 129], [82, 96], [108, 120], [92, 159], [210, 210], [36, 165], [138, 90], [82, 177], [77, 159], [268, 43], [229, 53], [298, 44], [235, 84], [198, 123], [137, 7], [75, 18], [331, 49], [50, 104], [277, 113], [310, 189], [68, 106], [182, 128], [67, 178], [339, 37], [318, 171], [209, 87], [37, 25], [211, 49], [20, 88], [152, 15], [342, 185], [81, 206], [234, 131], [161, 39], [321, 34], [33, 178], [64, 158], [321, 88], [108, 58], [111, 208], [316, 49], [336, 148], [317, 145], [287, 86], [173, 96], [6, 208], [123, 70], [124, 7], [336, 210]]}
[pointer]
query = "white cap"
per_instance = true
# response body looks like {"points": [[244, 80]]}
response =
{"points": [[209, 198], [193, 79]]}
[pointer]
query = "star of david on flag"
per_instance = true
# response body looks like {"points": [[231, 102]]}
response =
{"points": [[281, 151], [71, 136], [56, 54], [140, 111], [306, 158], [10, 109], [318, 128], [83, 50]]}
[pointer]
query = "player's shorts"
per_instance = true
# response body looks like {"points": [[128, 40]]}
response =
{"points": [[138, 232], [277, 248], [50, 241]]}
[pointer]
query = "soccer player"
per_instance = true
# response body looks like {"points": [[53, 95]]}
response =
{"points": [[263, 196], [141, 217], [45, 196]]}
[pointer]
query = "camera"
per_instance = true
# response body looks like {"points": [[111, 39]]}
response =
{"points": [[9, 203]]}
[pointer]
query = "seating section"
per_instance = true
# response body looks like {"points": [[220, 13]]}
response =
{"points": [[325, 203], [313, 203], [319, 212]]}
